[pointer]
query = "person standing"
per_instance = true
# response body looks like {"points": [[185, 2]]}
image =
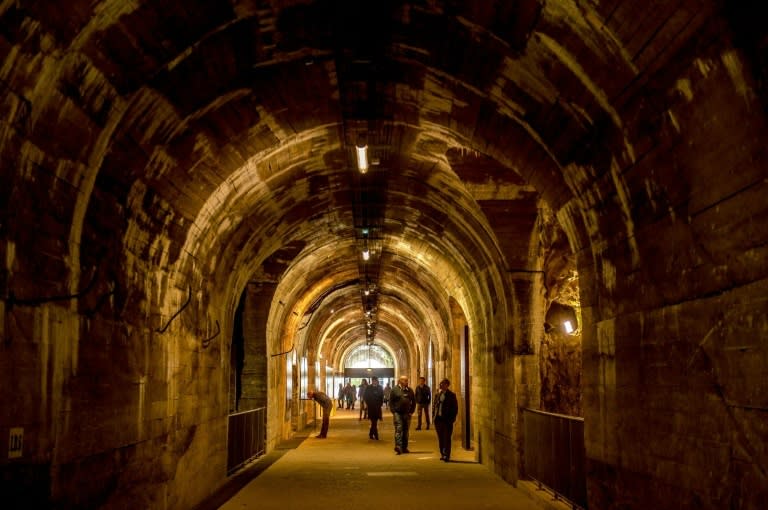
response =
{"points": [[423, 401], [326, 403], [348, 395], [444, 412], [387, 391], [402, 403], [374, 399], [341, 396]]}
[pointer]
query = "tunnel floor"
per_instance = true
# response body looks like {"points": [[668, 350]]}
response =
{"points": [[349, 471]]}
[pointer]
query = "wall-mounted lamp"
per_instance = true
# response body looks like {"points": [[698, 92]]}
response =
{"points": [[562, 317]]}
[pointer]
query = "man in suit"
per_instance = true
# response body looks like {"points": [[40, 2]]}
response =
{"points": [[444, 412], [374, 399]]}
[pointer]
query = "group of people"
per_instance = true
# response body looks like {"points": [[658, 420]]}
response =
{"points": [[403, 401], [349, 395]]}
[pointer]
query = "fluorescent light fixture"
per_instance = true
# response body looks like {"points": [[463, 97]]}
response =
{"points": [[362, 158], [568, 327]]}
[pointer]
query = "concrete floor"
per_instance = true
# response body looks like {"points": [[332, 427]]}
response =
{"points": [[349, 471]]}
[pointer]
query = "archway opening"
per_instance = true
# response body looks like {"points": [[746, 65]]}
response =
{"points": [[366, 361]]}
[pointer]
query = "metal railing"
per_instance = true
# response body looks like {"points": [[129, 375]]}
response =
{"points": [[554, 454], [246, 437]]}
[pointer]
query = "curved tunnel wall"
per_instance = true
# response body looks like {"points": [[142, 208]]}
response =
{"points": [[155, 202]]}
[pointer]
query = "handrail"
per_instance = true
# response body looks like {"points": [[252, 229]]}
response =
{"points": [[547, 413], [246, 412]]}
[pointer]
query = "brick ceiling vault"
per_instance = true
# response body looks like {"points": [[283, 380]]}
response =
{"points": [[210, 143]]}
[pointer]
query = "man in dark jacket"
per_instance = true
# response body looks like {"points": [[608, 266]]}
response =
{"points": [[423, 399], [444, 413], [374, 399], [402, 403], [327, 404]]}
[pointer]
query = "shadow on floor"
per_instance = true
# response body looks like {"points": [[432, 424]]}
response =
{"points": [[249, 472]]}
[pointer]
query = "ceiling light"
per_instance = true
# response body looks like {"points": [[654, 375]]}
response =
{"points": [[568, 327], [362, 158]]}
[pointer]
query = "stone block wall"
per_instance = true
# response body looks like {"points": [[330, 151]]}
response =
{"points": [[672, 385]]}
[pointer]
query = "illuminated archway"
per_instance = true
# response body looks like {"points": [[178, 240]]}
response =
{"points": [[369, 356]]}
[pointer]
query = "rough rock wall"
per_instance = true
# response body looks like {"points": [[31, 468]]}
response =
{"points": [[560, 357], [561, 373]]}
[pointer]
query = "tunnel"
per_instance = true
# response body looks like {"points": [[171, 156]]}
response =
{"points": [[209, 208]]}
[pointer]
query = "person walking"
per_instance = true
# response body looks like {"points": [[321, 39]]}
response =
{"points": [[444, 412], [326, 403], [374, 399], [348, 395], [341, 396], [361, 396], [402, 403], [423, 401], [387, 391]]}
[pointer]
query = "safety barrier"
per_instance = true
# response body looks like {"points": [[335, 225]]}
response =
{"points": [[246, 437], [554, 454]]}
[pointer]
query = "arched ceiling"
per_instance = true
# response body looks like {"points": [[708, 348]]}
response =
{"points": [[221, 136]]}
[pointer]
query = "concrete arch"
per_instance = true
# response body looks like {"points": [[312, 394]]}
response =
{"points": [[173, 160]]}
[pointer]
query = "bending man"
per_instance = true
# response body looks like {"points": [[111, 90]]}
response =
{"points": [[327, 404]]}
